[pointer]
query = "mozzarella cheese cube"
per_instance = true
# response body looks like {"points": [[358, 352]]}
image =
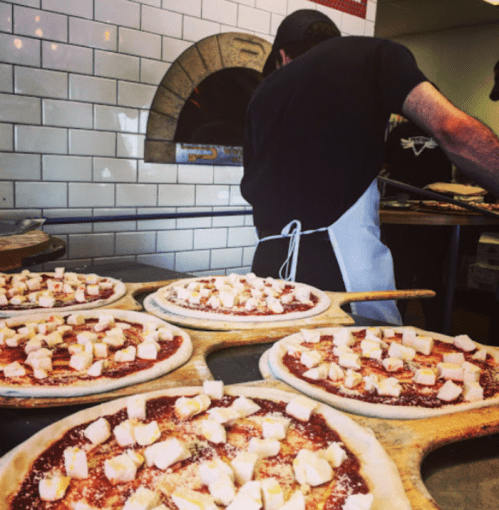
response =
{"points": [[454, 357], [14, 369], [275, 427], [97, 368], [100, 350], [54, 488], [214, 389], [147, 433], [148, 350], [165, 334], [125, 355], [224, 415], [465, 343], [295, 502], [223, 490], [275, 305], [212, 470], [334, 454], [164, 454], [136, 407], [471, 372], [75, 462], [335, 372], [86, 336], [318, 373], [75, 319], [272, 494], [359, 502], [46, 301], [389, 387], [81, 361], [41, 359], [371, 383], [352, 379], [392, 364], [120, 469], [214, 302], [188, 499], [251, 304], [472, 391], [98, 431], [450, 371], [312, 336], [349, 360], [55, 338], [115, 339], [186, 408], [142, 499], [301, 408], [213, 431], [245, 406], [422, 344], [125, 433], [311, 469], [425, 376], [264, 447], [310, 358], [343, 338], [480, 354], [6, 333], [449, 391], [136, 457], [402, 352], [249, 497], [243, 465]]}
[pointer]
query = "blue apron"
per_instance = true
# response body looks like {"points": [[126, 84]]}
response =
{"points": [[365, 263]]}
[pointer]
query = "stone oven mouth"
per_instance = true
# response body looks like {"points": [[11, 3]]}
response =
{"points": [[215, 111], [197, 114]]}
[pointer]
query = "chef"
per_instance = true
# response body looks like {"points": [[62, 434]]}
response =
{"points": [[314, 145]]}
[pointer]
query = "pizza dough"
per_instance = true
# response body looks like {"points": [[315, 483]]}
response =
{"points": [[25, 292], [240, 298], [384, 373], [279, 469], [82, 353]]}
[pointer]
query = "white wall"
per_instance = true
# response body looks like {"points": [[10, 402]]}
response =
{"points": [[461, 62], [76, 80]]}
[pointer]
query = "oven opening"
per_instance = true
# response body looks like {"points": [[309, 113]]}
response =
{"points": [[214, 113]]}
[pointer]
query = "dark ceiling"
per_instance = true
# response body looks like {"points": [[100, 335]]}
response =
{"points": [[395, 18]]}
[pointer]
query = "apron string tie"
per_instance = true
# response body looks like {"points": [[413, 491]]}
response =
{"points": [[294, 232]]}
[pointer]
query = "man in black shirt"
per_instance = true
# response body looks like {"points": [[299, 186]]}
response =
{"points": [[314, 145]]}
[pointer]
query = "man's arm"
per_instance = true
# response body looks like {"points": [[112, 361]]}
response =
{"points": [[468, 143]]}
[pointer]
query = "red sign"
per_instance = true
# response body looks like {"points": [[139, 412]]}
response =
{"points": [[354, 7]]}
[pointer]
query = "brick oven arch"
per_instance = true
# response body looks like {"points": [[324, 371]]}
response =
{"points": [[212, 54]]}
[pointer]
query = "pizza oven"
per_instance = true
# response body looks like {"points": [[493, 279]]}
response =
{"points": [[197, 114]]}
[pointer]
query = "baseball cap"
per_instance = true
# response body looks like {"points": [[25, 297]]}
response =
{"points": [[494, 95], [293, 28]]}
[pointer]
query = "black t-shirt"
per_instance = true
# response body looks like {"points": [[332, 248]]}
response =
{"points": [[413, 157], [315, 129]]}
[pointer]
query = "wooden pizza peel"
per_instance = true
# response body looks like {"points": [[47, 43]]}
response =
{"points": [[14, 248]]}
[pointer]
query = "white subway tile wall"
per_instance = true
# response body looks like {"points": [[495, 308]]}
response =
{"points": [[77, 78]]}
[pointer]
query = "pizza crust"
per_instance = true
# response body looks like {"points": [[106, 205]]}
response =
{"points": [[160, 300], [102, 384], [279, 370], [377, 468], [119, 290]]}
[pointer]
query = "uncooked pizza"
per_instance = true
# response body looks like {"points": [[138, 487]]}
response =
{"points": [[241, 298], [61, 290], [87, 352], [208, 448], [398, 373]]}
